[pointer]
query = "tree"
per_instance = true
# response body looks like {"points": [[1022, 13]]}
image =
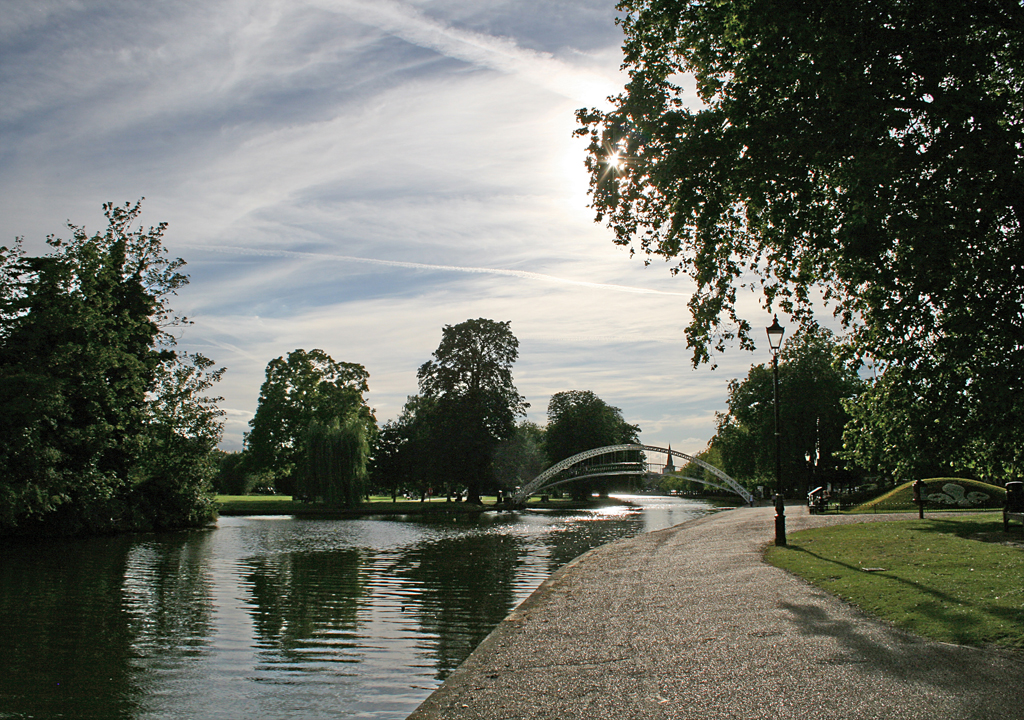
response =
{"points": [[814, 382], [896, 431], [868, 149], [579, 420], [231, 478], [88, 378], [474, 403], [299, 389], [386, 467], [401, 456], [336, 460], [520, 458], [711, 455], [176, 468]]}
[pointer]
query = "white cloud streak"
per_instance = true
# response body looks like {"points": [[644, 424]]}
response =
{"points": [[500, 54], [523, 274], [284, 140]]}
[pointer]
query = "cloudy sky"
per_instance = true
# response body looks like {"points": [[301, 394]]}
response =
{"points": [[353, 175]]}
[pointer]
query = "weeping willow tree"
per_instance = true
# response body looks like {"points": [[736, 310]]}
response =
{"points": [[336, 457]]}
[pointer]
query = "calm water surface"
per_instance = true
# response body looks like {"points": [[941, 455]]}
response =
{"points": [[277, 617]]}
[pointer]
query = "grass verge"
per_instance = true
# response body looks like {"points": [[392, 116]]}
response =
{"points": [[948, 579]]}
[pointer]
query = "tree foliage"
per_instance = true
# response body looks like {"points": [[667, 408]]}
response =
{"points": [[473, 402], [178, 461], [402, 457], [335, 470], [520, 458], [869, 149], [814, 382], [103, 427], [579, 420], [298, 390], [711, 455]]}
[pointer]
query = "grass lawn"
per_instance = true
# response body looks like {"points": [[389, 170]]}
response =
{"points": [[939, 494], [255, 504], [949, 579]]}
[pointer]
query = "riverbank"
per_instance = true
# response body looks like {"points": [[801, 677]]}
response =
{"points": [[262, 505], [690, 622]]}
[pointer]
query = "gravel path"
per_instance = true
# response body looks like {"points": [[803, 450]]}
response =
{"points": [[689, 622]]}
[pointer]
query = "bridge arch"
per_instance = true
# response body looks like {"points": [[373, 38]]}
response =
{"points": [[550, 477]]}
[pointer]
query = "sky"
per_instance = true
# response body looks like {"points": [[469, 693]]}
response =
{"points": [[353, 175]]}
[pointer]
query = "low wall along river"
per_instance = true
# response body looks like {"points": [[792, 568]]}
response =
{"points": [[276, 616]]}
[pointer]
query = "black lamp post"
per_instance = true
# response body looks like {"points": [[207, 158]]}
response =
{"points": [[775, 333]]}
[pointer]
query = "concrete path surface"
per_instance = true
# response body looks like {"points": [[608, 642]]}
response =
{"points": [[689, 622]]}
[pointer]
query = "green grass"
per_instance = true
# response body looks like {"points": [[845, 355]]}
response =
{"points": [[254, 499], [948, 579], [901, 499], [255, 504]]}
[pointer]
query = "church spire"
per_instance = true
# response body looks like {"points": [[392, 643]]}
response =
{"points": [[669, 466]]}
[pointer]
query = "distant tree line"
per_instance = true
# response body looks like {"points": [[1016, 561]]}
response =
{"points": [[463, 435]]}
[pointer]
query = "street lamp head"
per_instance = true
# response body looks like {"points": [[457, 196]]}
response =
{"points": [[775, 333]]}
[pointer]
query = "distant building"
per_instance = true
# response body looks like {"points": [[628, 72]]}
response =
{"points": [[669, 467]]}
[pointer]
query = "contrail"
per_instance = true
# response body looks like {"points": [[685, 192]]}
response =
{"points": [[523, 274], [497, 53]]}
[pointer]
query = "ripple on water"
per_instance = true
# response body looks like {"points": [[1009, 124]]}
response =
{"points": [[277, 617]]}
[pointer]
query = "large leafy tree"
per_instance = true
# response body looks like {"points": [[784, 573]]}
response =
{"points": [[299, 389], [473, 400], [579, 420], [814, 382], [93, 402], [388, 471], [870, 149]]}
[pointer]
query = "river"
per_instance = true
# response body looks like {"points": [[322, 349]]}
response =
{"points": [[277, 617]]}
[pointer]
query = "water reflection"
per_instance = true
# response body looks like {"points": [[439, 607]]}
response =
{"points": [[85, 623], [276, 617]]}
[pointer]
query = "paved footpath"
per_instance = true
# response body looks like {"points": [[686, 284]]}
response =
{"points": [[689, 622]]}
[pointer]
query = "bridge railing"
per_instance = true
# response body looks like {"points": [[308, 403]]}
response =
{"points": [[551, 476]]}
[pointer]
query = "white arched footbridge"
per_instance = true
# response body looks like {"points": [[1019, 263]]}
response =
{"points": [[626, 460]]}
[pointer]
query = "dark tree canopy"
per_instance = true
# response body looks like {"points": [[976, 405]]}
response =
{"points": [[520, 458], [473, 402], [870, 149], [298, 390], [579, 420], [814, 383], [103, 427], [402, 457], [337, 454]]}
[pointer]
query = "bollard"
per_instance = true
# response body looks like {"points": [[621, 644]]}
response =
{"points": [[780, 520]]}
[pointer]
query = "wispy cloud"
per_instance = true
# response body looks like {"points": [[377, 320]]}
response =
{"points": [[353, 175], [522, 274], [486, 51]]}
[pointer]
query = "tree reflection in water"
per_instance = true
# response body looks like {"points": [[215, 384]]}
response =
{"points": [[275, 617]]}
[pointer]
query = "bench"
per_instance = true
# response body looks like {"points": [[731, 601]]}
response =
{"points": [[1014, 507]]}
